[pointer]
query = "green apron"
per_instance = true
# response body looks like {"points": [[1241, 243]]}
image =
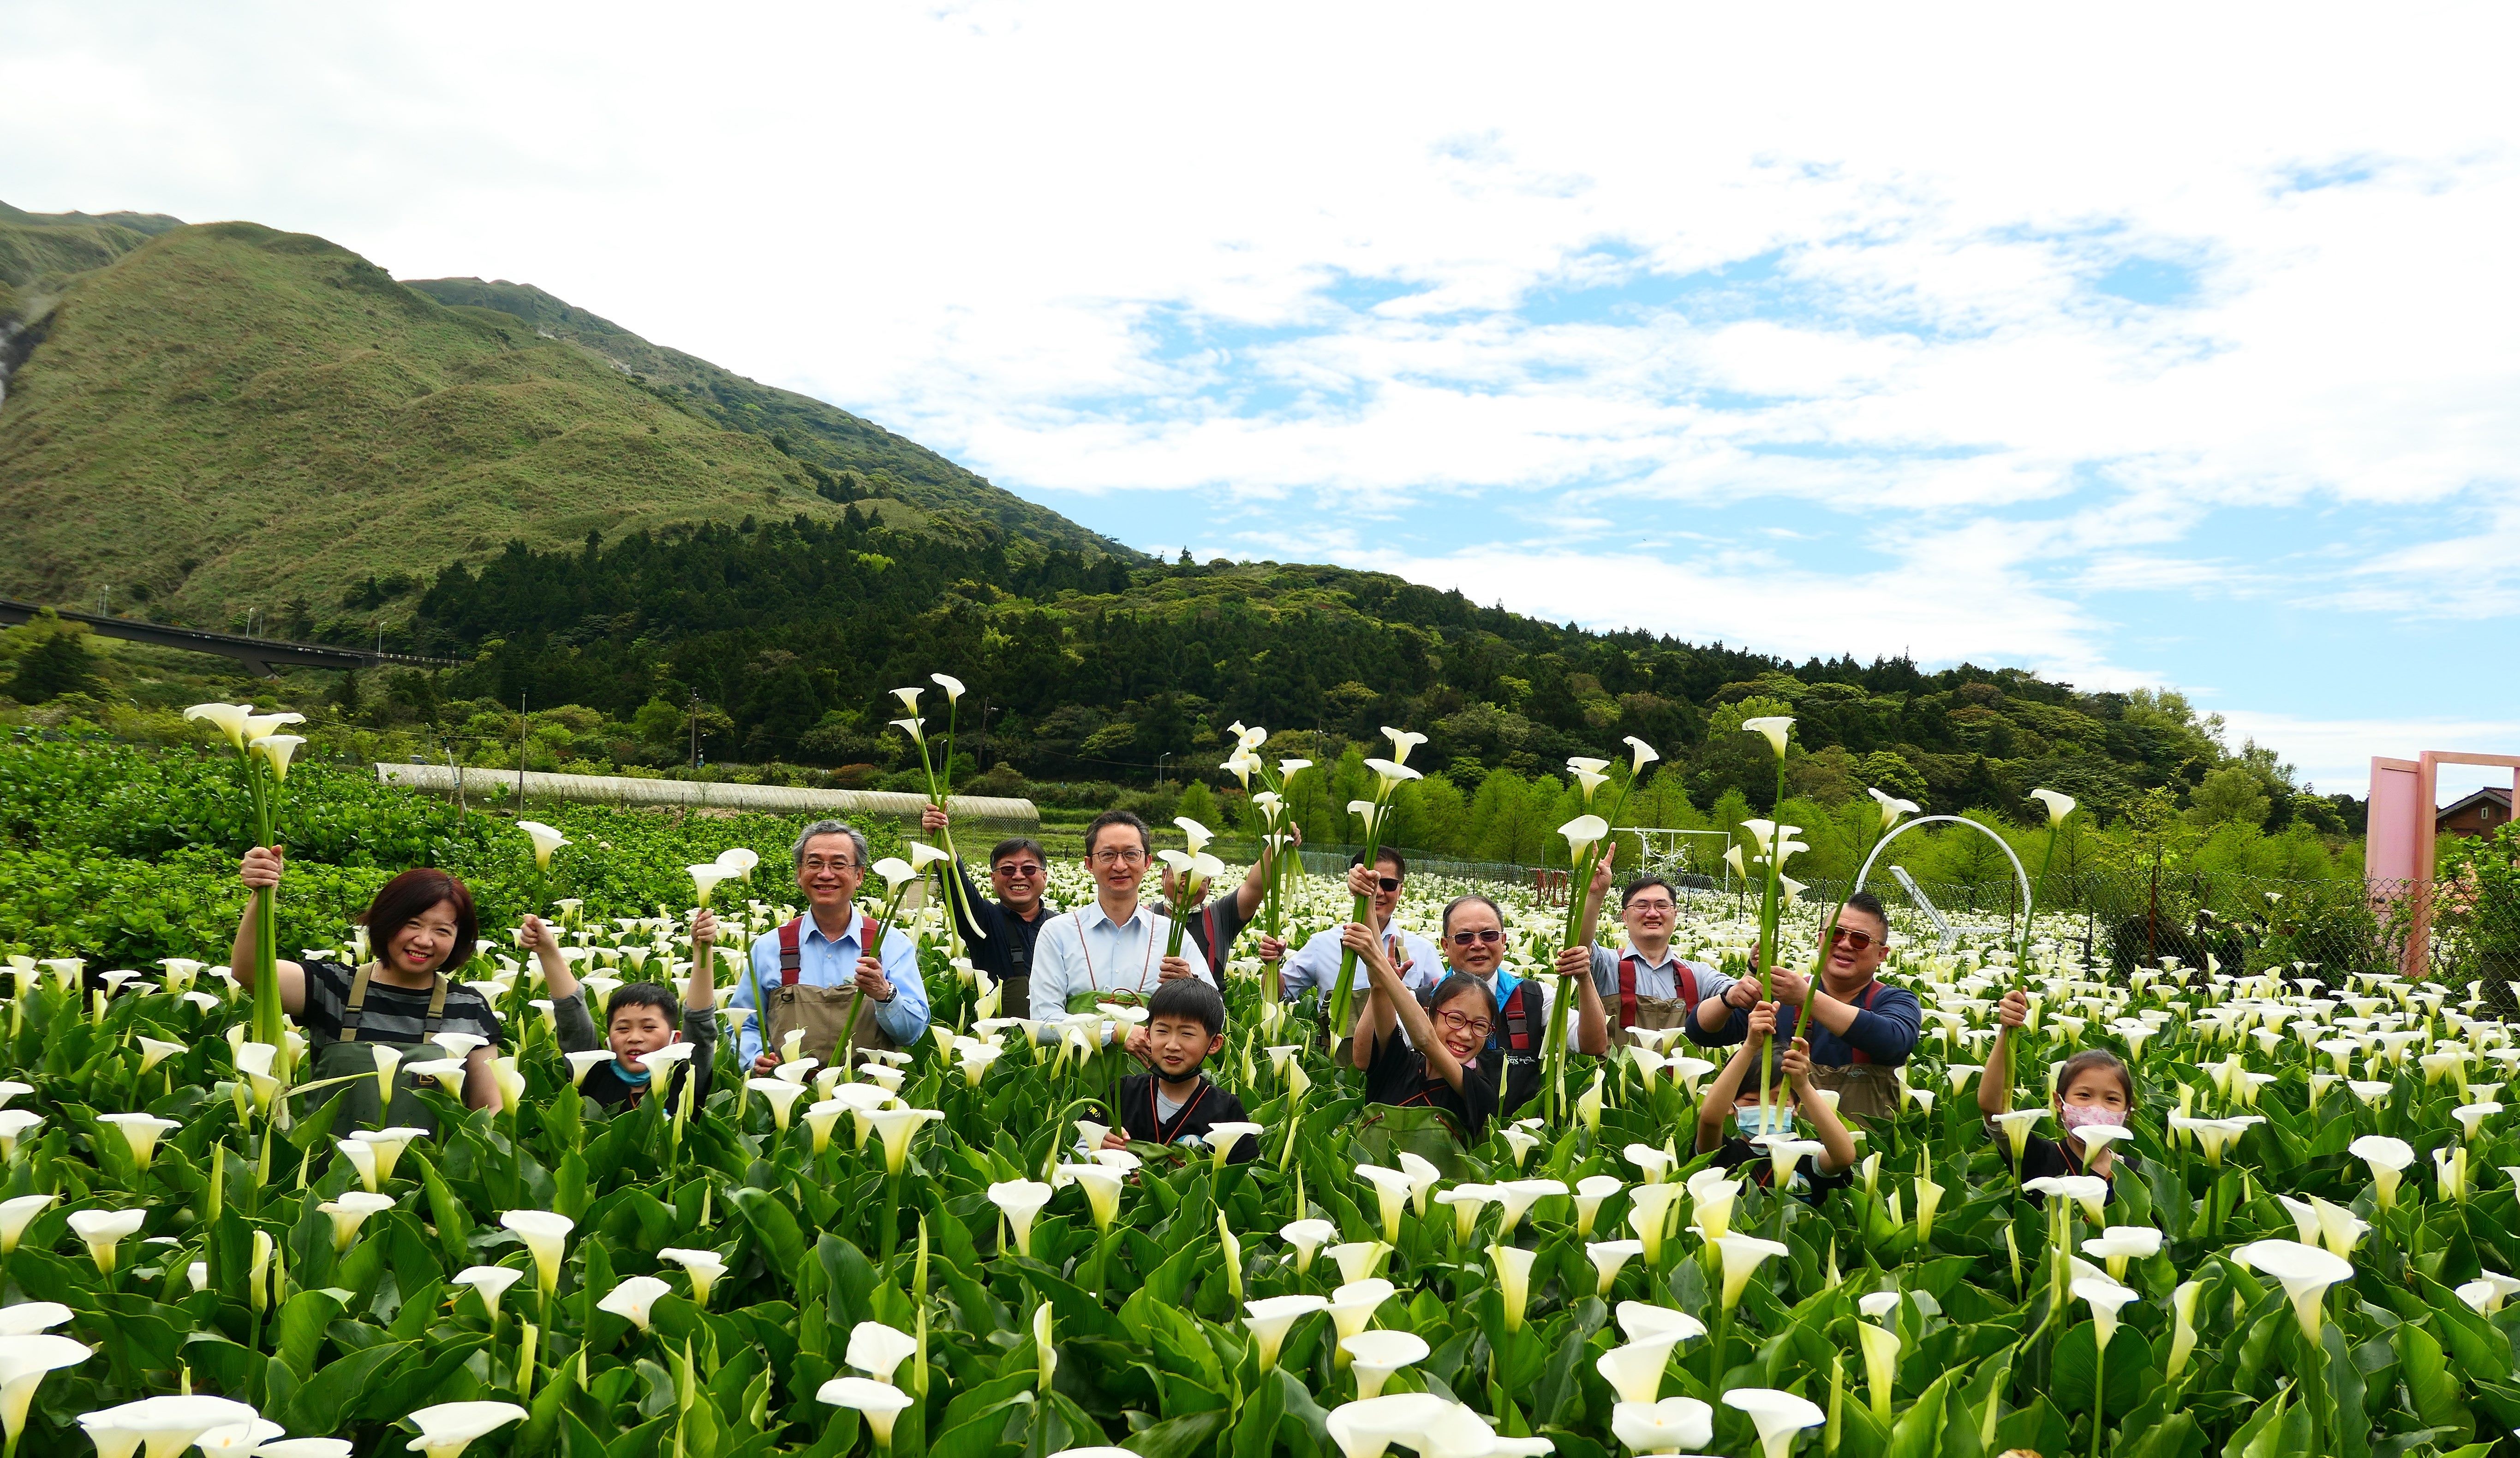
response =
{"points": [[1383, 1130], [1087, 1001], [349, 1054]]}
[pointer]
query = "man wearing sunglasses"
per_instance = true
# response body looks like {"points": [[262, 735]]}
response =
{"points": [[1314, 968], [1861, 1028], [999, 935]]}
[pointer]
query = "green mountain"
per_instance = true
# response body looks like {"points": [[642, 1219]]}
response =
{"points": [[863, 455], [224, 417]]}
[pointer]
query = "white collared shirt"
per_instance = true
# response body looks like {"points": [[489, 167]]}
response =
{"points": [[1086, 948], [1314, 968]]}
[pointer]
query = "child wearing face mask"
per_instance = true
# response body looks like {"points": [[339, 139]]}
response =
{"points": [[1732, 1126], [2092, 1087]]}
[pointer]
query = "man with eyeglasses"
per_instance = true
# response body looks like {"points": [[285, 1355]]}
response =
{"points": [[1314, 968], [1861, 1028], [806, 975], [999, 935], [1113, 947], [1649, 984]]}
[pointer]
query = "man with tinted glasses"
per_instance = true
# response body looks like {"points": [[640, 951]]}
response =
{"points": [[1861, 1028], [998, 937], [1314, 967]]}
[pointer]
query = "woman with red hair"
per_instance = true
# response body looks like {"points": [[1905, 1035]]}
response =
{"points": [[420, 924]]}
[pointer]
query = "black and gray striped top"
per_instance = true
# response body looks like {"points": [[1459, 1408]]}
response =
{"points": [[392, 1014]]}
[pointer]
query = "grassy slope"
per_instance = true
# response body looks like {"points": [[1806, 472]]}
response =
{"points": [[42, 251], [823, 433], [275, 409]]}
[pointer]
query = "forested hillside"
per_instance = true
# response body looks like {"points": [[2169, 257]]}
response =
{"points": [[790, 635], [847, 455]]}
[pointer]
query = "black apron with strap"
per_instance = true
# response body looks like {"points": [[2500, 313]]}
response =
{"points": [[348, 1055]]}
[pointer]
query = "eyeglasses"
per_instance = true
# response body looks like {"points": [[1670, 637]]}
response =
{"points": [[1017, 870], [817, 862], [1387, 883], [1650, 906], [1461, 1022], [1117, 857], [1485, 934], [1855, 939]]}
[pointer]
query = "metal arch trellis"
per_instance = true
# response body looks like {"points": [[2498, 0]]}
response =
{"points": [[1660, 860], [1883, 844]]}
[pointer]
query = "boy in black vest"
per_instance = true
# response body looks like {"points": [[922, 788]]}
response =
{"points": [[1175, 1102]]}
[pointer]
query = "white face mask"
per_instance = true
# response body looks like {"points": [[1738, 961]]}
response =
{"points": [[1780, 1120]]}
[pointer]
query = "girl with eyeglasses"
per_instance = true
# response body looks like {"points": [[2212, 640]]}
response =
{"points": [[1474, 946], [1440, 1069]]}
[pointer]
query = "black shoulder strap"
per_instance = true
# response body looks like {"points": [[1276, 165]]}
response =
{"points": [[355, 1005]]}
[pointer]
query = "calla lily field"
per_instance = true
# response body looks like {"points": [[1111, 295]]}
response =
{"points": [[2307, 1243]]}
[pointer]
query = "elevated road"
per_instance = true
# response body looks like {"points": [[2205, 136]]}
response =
{"points": [[263, 656]]}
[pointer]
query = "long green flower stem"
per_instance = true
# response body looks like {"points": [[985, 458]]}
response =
{"points": [[1768, 951], [2099, 1388], [1553, 1045], [1364, 909], [2021, 949], [266, 939]]}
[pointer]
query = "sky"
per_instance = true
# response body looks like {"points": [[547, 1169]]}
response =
{"points": [[2160, 346]]}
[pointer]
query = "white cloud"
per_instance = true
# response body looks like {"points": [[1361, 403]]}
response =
{"points": [[2335, 754], [1315, 257]]}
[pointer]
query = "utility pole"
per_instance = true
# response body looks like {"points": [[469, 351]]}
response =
{"points": [[984, 734], [520, 751], [696, 729]]}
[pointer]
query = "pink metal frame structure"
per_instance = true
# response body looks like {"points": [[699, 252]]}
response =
{"points": [[2399, 849]]}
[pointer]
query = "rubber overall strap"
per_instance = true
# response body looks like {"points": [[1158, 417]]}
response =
{"points": [[791, 954], [1628, 991], [355, 1007], [1863, 1001], [1517, 1019]]}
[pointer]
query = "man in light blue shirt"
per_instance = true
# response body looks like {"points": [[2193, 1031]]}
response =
{"points": [[1314, 969], [833, 960], [1113, 944]]}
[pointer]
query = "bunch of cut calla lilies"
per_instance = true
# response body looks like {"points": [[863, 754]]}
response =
{"points": [[2307, 1246]]}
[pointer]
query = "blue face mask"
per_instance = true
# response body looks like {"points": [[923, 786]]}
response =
{"points": [[1779, 1120], [623, 1071]]}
